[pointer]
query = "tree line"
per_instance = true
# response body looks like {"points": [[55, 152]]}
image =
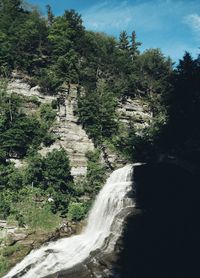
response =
{"points": [[53, 50]]}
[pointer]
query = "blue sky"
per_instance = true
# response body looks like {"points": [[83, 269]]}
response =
{"points": [[171, 25]]}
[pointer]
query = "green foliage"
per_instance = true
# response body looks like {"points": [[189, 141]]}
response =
{"points": [[52, 175], [51, 171], [54, 104], [76, 211], [48, 80], [181, 134], [5, 170], [57, 171], [134, 45], [15, 179], [50, 16], [124, 41], [29, 207], [154, 72], [57, 50], [33, 99], [95, 172], [86, 189], [28, 31], [34, 171], [20, 133], [10, 107], [10, 250], [47, 114], [48, 139], [97, 112], [23, 132], [175, 105], [37, 217], [3, 265], [5, 205]]}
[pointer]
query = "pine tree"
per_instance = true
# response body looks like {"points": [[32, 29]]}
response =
{"points": [[50, 16], [124, 41], [134, 45]]}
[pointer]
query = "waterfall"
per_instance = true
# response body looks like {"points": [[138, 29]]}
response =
{"points": [[104, 227]]}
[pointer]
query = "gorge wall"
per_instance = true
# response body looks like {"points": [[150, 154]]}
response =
{"points": [[69, 132], [137, 110], [161, 239]]}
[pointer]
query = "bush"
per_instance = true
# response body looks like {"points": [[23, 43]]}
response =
{"points": [[95, 172], [49, 81], [41, 218], [76, 211], [54, 104], [4, 264], [47, 114], [49, 139], [34, 100]]}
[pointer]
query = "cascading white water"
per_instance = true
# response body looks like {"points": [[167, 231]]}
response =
{"points": [[66, 253]]}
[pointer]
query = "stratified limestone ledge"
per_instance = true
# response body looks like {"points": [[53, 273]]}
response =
{"points": [[71, 136]]}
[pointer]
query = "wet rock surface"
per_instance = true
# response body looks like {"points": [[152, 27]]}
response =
{"points": [[100, 262], [19, 242]]}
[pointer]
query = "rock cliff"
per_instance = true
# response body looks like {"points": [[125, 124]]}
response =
{"points": [[136, 109], [70, 134]]}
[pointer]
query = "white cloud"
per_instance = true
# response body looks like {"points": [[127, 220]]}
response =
{"points": [[193, 20], [102, 17], [113, 16], [158, 23]]}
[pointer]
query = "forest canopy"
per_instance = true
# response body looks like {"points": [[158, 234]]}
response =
{"points": [[51, 50]]}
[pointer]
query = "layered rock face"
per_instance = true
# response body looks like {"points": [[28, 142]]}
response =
{"points": [[137, 110], [18, 86], [71, 136]]}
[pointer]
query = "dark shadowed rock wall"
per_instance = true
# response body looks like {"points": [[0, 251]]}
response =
{"points": [[162, 240]]}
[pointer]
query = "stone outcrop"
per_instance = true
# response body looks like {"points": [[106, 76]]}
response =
{"points": [[6, 229], [18, 86], [69, 132], [16, 243], [137, 110], [71, 136]]}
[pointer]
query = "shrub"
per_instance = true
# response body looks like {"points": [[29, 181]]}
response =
{"points": [[76, 211], [95, 172], [47, 114], [54, 104]]}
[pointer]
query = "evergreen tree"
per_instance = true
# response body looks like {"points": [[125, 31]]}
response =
{"points": [[50, 16], [57, 171], [97, 111], [134, 45], [124, 41], [22, 38], [154, 70], [10, 10], [183, 104]]}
